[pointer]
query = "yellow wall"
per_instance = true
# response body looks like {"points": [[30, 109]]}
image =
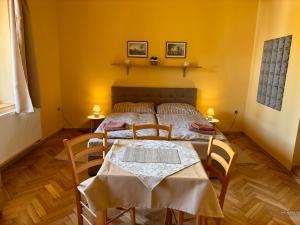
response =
{"points": [[6, 81], [276, 131], [93, 34], [44, 62]]}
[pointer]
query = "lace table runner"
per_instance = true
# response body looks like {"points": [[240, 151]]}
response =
{"points": [[151, 174], [150, 155]]}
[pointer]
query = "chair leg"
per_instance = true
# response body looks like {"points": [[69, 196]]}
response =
{"points": [[101, 217], [180, 218], [79, 212], [168, 217], [132, 216], [79, 208]]}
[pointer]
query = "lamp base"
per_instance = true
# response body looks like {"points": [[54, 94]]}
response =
{"points": [[210, 118], [96, 115]]}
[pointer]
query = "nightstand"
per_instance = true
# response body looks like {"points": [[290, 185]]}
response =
{"points": [[94, 120], [213, 121]]}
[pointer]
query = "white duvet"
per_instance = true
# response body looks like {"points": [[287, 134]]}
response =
{"points": [[181, 126]]}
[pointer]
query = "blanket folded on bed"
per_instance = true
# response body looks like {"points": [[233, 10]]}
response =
{"points": [[203, 128], [114, 125], [206, 127], [203, 131]]}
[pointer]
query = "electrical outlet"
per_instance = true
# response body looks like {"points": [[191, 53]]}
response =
{"points": [[236, 112]]}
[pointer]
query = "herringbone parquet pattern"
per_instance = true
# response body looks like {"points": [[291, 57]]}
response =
{"points": [[39, 190]]}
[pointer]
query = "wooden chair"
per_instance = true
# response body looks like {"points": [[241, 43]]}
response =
{"points": [[76, 170], [226, 164], [157, 127], [222, 176]]}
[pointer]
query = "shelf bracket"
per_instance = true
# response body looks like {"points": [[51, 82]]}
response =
{"points": [[185, 68], [127, 69]]}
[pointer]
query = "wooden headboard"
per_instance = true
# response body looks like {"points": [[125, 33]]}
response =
{"points": [[156, 95]]}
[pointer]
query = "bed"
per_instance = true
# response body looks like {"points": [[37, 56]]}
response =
{"points": [[174, 106]]}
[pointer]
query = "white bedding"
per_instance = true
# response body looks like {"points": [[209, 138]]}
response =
{"points": [[129, 119], [181, 124], [180, 130]]}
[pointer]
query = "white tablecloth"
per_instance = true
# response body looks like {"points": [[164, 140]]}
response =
{"points": [[188, 190], [151, 174]]}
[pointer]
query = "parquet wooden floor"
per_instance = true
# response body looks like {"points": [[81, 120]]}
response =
{"points": [[38, 189]]}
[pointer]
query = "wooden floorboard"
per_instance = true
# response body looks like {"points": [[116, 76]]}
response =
{"points": [[38, 190]]}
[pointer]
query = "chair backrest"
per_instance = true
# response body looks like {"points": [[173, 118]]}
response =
{"points": [[69, 146], [226, 163], [157, 127]]}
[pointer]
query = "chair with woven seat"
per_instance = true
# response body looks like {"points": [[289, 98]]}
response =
{"points": [[84, 166], [217, 166], [157, 127]]}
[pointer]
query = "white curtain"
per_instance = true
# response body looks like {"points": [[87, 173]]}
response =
{"points": [[23, 101]]}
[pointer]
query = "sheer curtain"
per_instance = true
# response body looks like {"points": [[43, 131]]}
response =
{"points": [[23, 101]]}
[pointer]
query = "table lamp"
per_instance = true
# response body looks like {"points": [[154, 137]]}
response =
{"points": [[210, 113], [96, 110]]}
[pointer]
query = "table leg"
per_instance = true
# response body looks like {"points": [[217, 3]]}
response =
{"points": [[132, 216], [199, 220], [101, 217], [218, 221], [168, 217], [180, 218]]}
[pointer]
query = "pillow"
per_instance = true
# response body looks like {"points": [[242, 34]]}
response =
{"points": [[176, 108], [139, 107]]}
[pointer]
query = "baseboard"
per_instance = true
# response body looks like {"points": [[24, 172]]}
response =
{"points": [[296, 171], [232, 132], [289, 172], [81, 129], [277, 162], [26, 151]]}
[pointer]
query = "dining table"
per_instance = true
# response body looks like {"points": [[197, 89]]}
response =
{"points": [[153, 174]]}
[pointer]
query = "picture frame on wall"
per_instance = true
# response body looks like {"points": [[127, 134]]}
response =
{"points": [[176, 49], [137, 49]]}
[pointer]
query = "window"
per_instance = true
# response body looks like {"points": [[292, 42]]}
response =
{"points": [[6, 78], [273, 72]]}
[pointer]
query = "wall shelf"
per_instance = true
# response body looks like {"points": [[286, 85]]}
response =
{"points": [[183, 68]]}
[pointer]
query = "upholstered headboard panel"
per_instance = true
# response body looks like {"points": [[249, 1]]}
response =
{"points": [[156, 95]]}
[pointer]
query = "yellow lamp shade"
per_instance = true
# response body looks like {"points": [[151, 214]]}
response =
{"points": [[96, 110], [210, 113]]}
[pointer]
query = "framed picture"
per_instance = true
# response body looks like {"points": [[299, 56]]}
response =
{"points": [[137, 49], [175, 49]]}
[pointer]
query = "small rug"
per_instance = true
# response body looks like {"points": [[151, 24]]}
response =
{"points": [[63, 155], [243, 157]]}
